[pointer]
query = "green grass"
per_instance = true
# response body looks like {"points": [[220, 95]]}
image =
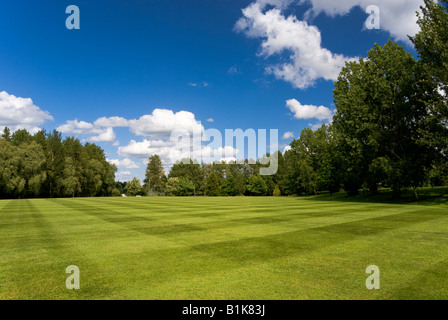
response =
{"points": [[223, 248]]}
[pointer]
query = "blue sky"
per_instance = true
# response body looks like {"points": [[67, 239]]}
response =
{"points": [[258, 68]]}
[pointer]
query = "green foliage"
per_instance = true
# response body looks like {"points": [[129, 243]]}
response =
{"points": [[185, 187], [256, 186], [171, 186], [155, 175], [6, 135], [382, 118], [189, 169], [277, 192], [212, 188], [431, 42], [312, 162], [134, 188], [42, 165]]}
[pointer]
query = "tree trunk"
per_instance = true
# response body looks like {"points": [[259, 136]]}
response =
{"points": [[416, 194]]}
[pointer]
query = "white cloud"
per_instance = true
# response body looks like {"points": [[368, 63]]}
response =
{"points": [[288, 135], [210, 120], [170, 151], [111, 122], [162, 122], [123, 175], [86, 128], [21, 113], [309, 111], [158, 125], [287, 148], [136, 149], [124, 163], [314, 126], [398, 17], [308, 60], [107, 135], [78, 127]]}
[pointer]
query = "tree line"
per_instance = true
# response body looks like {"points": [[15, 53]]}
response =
{"points": [[45, 165], [390, 130]]}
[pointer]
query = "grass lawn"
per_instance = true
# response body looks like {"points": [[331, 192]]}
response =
{"points": [[223, 248]]}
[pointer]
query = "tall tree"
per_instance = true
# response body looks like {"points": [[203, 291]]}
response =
{"points": [[190, 169], [256, 186], [33, 167], [134, 188], [431, 42], [155, 175], [6, 135], [71, 185], [55, 155], [213, 187], [382, 116], [185, 187], [172, 186]]}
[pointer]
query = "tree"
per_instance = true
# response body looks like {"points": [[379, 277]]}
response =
{"points": [[190, 169], [277, 192], [382, 116], [134, 188], [240, 187], [431, 42], [33, 168], [70, 181], [20, 136], [11, 181], [171, 186], [55, 159], [307, 180], [185, 187], [44, 165], [228, 186], [256, 186], [155, 175], [311, 163], [6, 135], [213, 189]]}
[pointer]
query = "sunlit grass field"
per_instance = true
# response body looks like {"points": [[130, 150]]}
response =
{"points": [[223, 248]]}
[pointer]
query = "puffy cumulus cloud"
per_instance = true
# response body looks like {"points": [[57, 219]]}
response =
{"points": [[21, 113], [286, 149], [158, 125], [172, 151], [124, 163], [107, 135], [78, 127], [123, 175], [136, 149], [87, 128], [308, 60], [162, 122], [287, 135], [398, 17], [309, 111], [111, 122]]}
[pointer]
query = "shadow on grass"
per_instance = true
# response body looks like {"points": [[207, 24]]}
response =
{"points": [[437, 196]]}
